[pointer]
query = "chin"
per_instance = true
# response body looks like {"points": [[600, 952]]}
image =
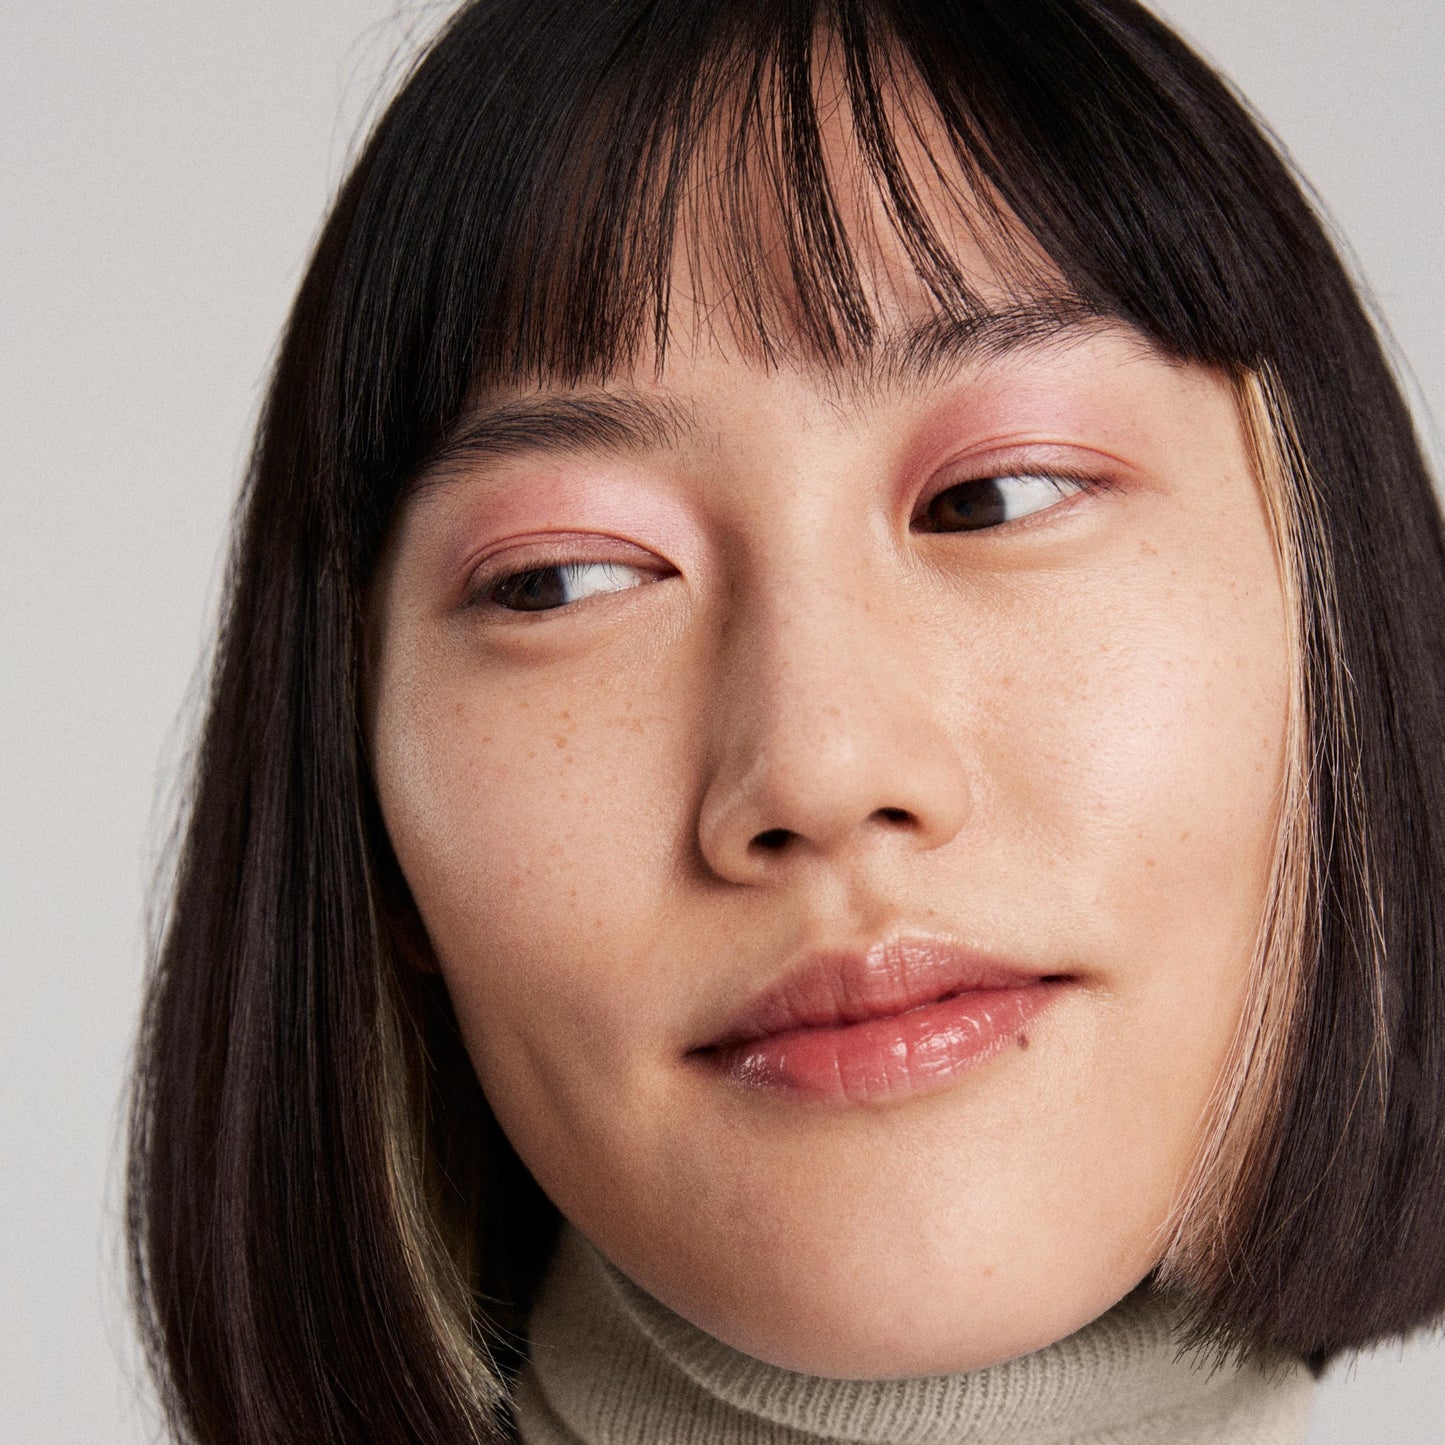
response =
{"points": [[853, 1325]]}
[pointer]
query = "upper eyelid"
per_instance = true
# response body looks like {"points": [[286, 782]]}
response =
{"points": [[560, 549], [1027, 453], [971, 469]]}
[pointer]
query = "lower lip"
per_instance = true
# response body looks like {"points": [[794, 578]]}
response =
{"points": [[905, 1054]]}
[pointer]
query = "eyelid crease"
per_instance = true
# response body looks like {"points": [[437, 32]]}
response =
{"points": [[551, 546], [1042, 472]]}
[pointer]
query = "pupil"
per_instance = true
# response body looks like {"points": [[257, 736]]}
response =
{"points": [[968, 507], [533, 591]]}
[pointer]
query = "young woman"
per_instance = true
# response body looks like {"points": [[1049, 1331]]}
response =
{"points": [[820, 816]]}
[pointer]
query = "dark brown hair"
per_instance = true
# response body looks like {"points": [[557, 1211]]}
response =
{"points": [[331, 1240]]}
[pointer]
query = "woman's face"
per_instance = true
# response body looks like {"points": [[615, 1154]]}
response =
{"points": [[841, 807]]}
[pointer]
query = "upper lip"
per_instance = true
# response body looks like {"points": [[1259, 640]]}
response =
{"points": [[829, 988]]}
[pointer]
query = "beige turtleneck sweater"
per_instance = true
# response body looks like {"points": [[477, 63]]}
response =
{"points": [[610, 1365]]}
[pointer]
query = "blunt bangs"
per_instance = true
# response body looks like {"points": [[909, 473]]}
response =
{"points": [[330, 1235], [541, 243]]}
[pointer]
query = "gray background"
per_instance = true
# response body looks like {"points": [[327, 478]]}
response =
{"points": [[163, 167]]}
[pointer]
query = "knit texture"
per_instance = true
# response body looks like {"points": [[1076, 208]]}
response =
{"points": [[610, 1365]]}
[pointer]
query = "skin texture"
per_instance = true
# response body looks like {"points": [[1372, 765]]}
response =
{"points": [[794, 719], [1058, 741]]}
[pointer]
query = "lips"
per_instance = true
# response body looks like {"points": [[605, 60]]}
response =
{"points": [[905, 1017]]}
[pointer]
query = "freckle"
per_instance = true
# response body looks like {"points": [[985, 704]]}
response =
{"points": [[1184, 836], [560, 741], [988, 1271], [1023, 1041], [1150, 863]]}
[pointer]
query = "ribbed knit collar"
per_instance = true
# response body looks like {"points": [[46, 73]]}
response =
{"points": [[610, 1365]]}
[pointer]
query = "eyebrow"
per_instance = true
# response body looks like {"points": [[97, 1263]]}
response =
{"points": [[614, 421], [940, 345], [623, 420]]}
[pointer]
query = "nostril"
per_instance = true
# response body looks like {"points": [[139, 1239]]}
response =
{"points": [[773, 840], [895, 815]]}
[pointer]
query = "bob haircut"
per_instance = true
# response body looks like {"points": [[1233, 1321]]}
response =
{"points": [[331, 1238]]}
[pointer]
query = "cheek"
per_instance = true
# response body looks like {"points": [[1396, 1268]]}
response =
{"points": [[535, 833], [1137, 737], [1138, 791]]}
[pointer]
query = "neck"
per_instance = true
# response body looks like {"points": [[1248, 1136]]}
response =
{"points": [[611, 1364]]}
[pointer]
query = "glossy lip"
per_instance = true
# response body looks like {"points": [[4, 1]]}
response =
{"points": [[905, 1017]]}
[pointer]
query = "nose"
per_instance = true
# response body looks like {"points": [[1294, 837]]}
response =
{"points": [[827, 739]]}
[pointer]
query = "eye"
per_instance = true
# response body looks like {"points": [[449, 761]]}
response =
{"points": [[544, 589], [986, 502]]}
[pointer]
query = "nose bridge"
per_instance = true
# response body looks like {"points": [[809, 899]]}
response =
{"points": [[825, 728], [822, 661]]}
